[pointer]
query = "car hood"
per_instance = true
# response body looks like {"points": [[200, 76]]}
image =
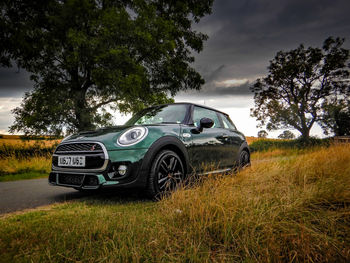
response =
{"points": [[108, 136]]}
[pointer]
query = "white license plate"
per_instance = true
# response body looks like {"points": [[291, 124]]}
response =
{"points": [[76, 161]]}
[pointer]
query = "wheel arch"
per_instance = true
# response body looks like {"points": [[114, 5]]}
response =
{"points": [[166, 143], [244, 147]]}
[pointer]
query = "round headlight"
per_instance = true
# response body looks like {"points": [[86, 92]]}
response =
{"points": [[132, 136]]}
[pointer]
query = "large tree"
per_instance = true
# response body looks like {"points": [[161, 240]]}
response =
{"points": [[85, 54], [298, 84]]}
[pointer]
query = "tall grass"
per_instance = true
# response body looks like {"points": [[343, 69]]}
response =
{"points": [[290, 209], [24, 168], [24, 159]]}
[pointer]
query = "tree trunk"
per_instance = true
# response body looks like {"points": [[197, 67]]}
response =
{"points": [[305, 134], [82, 112]]}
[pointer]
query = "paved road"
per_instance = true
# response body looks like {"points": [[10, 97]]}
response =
{"points": [[23, 194]]}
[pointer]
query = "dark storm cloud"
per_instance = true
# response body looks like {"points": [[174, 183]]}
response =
{"points": [[14, 82], [244, 35]]}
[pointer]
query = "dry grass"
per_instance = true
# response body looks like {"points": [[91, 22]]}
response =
{"points": [[291, 209], [15, 142], [11, 165], [21, 159], [251, 139]]}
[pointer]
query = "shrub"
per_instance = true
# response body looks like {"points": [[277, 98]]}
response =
{"points": [[268, 144]]}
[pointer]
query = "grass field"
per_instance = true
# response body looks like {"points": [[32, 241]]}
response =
{"points": [[289, 206], [24, 159]]}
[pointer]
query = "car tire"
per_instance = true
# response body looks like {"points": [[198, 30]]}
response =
{"points": [[166, 173], [244, 159]]}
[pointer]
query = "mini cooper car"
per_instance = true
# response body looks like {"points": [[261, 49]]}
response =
{"points": [[155, 150]]}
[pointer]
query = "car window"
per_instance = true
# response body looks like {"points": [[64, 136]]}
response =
{"points": [[160, 114], [199, 113], [228, 124]]}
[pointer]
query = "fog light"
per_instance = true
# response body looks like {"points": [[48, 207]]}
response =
{"points": [[122, 169]]}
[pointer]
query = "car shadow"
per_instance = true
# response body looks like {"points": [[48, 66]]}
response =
{"points": [[110, 195]]}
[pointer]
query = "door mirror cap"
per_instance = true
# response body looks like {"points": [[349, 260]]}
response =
{"points": [[204, 123]]}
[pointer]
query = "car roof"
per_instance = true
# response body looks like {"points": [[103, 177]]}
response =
{"points": [[189, 103]]}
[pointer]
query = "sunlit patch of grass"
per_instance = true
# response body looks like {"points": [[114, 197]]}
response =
{"points": [[24, 159], [12, 168], [281, 210], [18, 143]]}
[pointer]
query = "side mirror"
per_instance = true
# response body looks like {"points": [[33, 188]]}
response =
{"points": [[204, 123]]}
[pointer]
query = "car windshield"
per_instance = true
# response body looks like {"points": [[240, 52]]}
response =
{"points": [[159, 114]]}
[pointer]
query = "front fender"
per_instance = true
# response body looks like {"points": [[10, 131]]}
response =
{"points": [[170, 142]]}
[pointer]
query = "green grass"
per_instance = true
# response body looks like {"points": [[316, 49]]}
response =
{"points": [[286, 207], [23, 176]]}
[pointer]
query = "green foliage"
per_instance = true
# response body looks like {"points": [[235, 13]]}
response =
{"points": [[85, 56], [286, 135], [336, 118], [300, 143], [299, 82], [262, 134]]}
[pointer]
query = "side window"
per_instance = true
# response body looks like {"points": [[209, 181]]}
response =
{"points": [[228, 124], [199, 113]]}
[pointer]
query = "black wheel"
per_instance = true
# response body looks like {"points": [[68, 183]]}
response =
{"points": [[167, 171], [244, 159]]}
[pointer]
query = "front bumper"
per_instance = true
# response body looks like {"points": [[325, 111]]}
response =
{"points": [[106, 176], [79, 180]]}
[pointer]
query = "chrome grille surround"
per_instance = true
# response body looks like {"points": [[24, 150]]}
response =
{"points": [[81, 148]]}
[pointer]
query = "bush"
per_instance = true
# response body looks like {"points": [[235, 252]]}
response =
{"points": [[268, 144]]}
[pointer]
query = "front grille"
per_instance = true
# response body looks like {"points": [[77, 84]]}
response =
{"points": [[96, 157], [71, 179], [79, 147]]}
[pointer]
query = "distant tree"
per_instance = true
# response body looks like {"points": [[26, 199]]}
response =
{"points": [[336, 118], [286, 135], [262, 134], [86, 54], [297, 85]]}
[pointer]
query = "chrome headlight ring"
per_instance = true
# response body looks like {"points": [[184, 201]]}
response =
{"points": [[132, 136]]}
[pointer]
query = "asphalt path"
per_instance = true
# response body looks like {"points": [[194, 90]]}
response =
{"points": [[27, 194], [24, 194]]}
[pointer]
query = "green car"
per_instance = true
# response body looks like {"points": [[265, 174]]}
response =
{"points": [[154, 151]]}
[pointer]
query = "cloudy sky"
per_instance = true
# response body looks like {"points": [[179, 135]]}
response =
{"points": [[243, 36]]}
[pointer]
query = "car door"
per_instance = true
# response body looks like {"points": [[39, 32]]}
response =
{"points": [[206, 148], [232, 139]]}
